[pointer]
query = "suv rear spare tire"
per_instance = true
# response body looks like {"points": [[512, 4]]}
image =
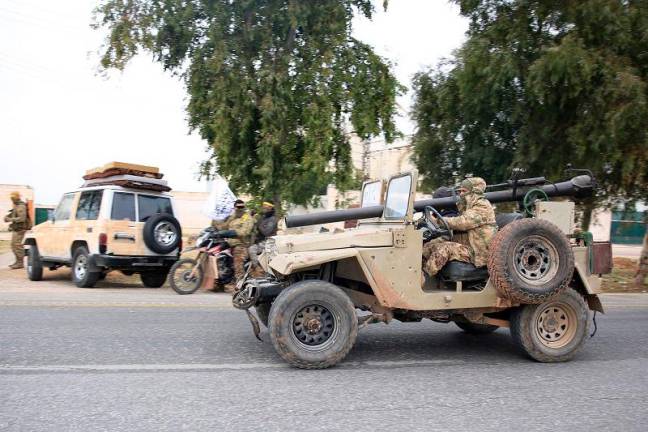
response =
{"points": [[162, 233], [531, 261]]}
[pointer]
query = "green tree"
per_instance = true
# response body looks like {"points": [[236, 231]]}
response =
{"points": [[540, 84], [275, 86]]}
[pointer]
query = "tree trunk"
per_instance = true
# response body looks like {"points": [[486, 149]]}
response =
{"points": [[642, 267]]}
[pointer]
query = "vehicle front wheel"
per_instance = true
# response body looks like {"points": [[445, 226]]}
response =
{"points": [[553, 331], [153, 280], [313, 324], [186, 276], [34, 264], [81, 274]]}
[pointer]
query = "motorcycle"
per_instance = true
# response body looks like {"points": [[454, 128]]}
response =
{"points": [[187, 274]]}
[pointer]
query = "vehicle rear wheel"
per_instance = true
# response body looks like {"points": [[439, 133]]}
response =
{"points": [[81, 274], [185, 276], [476, 329], [553, 331], [313, 324], [153, 280], [531, 261], [34, 264]]}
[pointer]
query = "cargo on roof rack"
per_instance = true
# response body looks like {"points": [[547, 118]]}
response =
{"points": [[130, 181], [122, 168]]}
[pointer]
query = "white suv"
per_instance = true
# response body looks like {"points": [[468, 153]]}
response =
{"points": [[98, 229]]}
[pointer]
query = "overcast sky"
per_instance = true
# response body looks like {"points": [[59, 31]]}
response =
{"points": [[58, 117]]}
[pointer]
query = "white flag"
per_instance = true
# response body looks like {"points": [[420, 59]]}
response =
{"points": [[220, 203]]}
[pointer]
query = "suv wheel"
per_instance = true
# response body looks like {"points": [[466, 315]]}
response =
{"points": [[34, 264], [553, 331], [313, 324], [153, 280], [81, 274]]}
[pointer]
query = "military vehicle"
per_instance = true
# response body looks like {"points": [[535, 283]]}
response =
{"points": [[541, 281]]}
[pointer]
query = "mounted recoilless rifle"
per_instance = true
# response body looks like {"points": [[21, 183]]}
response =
{"points": [[580, 186]]}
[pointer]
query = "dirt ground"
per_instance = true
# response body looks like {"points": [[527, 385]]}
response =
{"points": [[4, 246], [622, 277]]}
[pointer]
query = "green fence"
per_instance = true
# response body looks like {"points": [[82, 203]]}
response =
{"points": [[627, 227]]}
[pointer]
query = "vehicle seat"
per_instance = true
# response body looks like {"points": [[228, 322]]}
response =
{"points": [[462, 271], [502, 219]]}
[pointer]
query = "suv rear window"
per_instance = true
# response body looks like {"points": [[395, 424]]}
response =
{"points": [[123, 206], [89, 204], [150, 205]]}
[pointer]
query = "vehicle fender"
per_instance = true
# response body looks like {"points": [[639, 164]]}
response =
{"points": [[291, 262], [588, 286]]}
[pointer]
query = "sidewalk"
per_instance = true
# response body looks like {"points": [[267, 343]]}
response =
{"points": [[626, 251]]}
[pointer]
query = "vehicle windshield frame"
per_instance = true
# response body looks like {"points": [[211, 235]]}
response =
{"points": [[395, 210]]}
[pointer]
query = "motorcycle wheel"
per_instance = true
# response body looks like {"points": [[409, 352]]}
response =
{"points": [[181, 278]]}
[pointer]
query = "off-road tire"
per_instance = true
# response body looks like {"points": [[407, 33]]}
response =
{"points": [[153, 242], [530, 261], [34, 264], [197, 283], [263, 312], [153, 280], [476, 329], [89, 278], [284, 327], [530, 330]]}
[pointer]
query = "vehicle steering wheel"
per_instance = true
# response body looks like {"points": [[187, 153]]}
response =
{"points": [[436, 231]]}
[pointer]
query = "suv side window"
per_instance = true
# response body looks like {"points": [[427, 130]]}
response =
{"points": [[64, 208], [89, 205], [123, 206], [150, 205]]}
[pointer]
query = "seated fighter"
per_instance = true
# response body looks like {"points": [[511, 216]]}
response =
{"points": [[476, 218]]}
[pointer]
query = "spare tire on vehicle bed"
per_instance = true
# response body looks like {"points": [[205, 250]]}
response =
{"points": [[530, 261], [162, 233]]}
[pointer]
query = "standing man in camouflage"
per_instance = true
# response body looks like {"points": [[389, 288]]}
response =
{"points": [[19, 223], [241, 223], [476, 218]]}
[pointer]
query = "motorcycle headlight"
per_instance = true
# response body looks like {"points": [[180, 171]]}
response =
{"points": [[201, 239]]}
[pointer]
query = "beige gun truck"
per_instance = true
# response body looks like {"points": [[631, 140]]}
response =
{"points": [[540, 281]]}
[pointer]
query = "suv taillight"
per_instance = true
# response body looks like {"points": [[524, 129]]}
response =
{"points": [[103, 243]]}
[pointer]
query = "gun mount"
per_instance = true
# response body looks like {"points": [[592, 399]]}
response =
{"points": [[579, 187]]}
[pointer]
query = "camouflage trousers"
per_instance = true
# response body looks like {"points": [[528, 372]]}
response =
{"points": [[437, 254], [240, 254], [17, 247]]}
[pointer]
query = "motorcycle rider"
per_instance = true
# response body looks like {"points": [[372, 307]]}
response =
{"points": [[264, 227], [240, 223]]}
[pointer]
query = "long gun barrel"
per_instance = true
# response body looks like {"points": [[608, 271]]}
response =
{"points": [[579, 186]]}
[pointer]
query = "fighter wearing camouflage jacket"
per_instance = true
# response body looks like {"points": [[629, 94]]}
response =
{"points": [[476, 218]]}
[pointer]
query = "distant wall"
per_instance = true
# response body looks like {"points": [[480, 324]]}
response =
{"points": [[26, 193], [189, 207]]}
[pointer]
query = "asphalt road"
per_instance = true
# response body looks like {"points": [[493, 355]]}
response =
{"points": [[151, 360]]}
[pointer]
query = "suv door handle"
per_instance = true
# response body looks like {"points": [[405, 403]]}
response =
{"points": [[124, 236]]}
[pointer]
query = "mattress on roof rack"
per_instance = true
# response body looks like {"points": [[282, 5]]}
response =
{"points": [[121, 168]]}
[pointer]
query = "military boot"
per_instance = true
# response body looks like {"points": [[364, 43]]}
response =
{"points": [[16, 266]]}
